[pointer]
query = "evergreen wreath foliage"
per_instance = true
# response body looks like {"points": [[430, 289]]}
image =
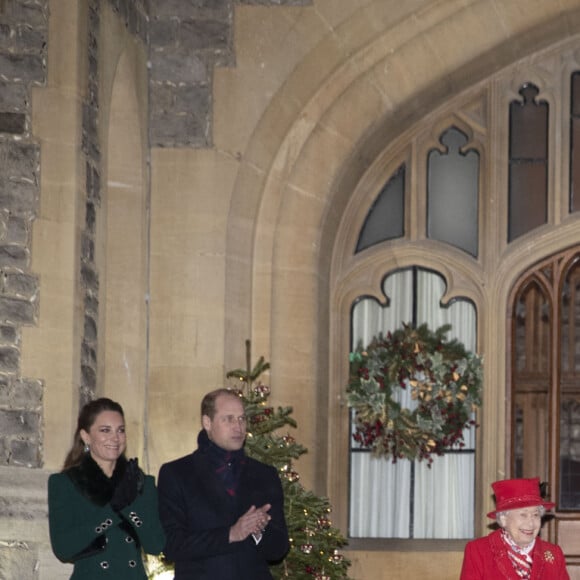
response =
{"points": [[444, 381]]}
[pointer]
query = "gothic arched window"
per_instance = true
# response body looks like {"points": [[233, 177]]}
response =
{"points": [[395, 500]]}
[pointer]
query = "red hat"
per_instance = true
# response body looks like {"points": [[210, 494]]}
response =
{"points": [[511, 494]]}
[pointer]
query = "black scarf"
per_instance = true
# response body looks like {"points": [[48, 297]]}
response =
{"points": [[90, 480], [227, 465]]}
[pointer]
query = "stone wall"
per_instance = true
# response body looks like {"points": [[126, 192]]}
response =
{"points": [[91, 150], [25, 552], [187, 40], [23, 37]]}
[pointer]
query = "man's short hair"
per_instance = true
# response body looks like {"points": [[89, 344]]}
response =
{"points": [[208, 402]]}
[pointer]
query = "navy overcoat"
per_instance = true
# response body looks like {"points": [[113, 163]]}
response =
{"points": [[197, 513]]}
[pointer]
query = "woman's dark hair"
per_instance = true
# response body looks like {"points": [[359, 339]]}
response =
{"points": [[87, 417]]}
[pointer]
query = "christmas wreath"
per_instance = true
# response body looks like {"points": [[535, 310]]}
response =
{"points": [[444, 382]]}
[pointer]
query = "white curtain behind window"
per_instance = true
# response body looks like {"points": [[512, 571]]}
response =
{"points": [[407, 499]]}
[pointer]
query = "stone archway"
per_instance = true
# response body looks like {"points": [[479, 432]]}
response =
{"points": [[375, 75]]}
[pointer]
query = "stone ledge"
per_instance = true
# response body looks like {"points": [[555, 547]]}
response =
{"points": [[23, 501], [25, 551], [26, 481]]}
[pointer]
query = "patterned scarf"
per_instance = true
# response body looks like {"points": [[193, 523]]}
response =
{"points": [[227, 465], [519, 557]]}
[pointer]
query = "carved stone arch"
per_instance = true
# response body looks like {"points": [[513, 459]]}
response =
{"points": [[460, 273], [473, 129], [311, 148]]}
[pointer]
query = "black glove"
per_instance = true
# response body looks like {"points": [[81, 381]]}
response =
{"points": [[95, 547], [128, 487]]}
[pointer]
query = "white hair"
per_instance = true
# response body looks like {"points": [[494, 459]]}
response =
{"points": [[500, 516]]}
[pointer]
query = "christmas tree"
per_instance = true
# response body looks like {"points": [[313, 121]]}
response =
{"points": [[314, 543]]}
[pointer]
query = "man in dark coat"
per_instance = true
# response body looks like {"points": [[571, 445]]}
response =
{"points": [[222, 511]]}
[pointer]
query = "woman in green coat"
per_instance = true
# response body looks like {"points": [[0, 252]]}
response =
{"points": [[102, 508]]}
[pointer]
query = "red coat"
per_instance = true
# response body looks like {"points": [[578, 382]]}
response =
{"points": [[487, 559]]}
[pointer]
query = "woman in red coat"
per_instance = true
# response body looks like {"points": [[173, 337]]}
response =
{"points": [[515, 551]]}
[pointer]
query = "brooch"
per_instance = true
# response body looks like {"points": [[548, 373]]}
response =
{"points": [[548, 556]]}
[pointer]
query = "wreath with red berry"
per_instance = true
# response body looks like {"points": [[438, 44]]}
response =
{"points": [[443, 379]]}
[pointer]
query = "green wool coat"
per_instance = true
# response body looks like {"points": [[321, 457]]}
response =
{"points": [[101, 543]]}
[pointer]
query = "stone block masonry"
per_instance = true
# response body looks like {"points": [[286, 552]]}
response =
{"points": [[23, 38], [89, 274], [187, 39]]}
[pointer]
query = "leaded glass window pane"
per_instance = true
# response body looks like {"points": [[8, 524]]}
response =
{"points": [[453, 186], [528, 163], [385, 220], [575, 142], [531, 380]]}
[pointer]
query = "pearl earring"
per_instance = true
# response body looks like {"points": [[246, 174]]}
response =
{"points": [[87, 448]]}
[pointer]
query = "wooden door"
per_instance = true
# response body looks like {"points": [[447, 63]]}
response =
{"points": [[544, 326]]}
